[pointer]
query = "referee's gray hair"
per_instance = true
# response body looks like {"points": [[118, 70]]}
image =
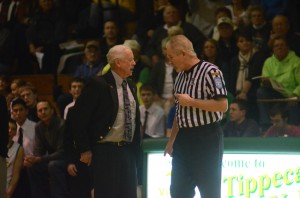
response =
{"points": [[181, 43], [116, 52]]}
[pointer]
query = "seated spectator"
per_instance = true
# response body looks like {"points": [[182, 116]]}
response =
{"points": [[245, 65], [3, 144], [47, 29], [25, 128], [162, 80], [111, 37], [29, 94], [220, 12], [280, 127], [259, 28], [281, 27], [139, 64], [14, 162], [172, 18], [283, 67], [46, 166], [15, 85], [4, 85], [239, 13], [239, 125], [152, 115], [76, 86], [92, 64], [226, 42]]}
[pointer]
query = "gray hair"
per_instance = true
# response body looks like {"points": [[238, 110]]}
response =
{"points": [[116, 52], [181, 43]]}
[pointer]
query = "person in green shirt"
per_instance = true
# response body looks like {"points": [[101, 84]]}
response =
{"points": [[281, 79]]}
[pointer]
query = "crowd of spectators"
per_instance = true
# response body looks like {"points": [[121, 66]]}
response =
{"points": [[256, 44]]}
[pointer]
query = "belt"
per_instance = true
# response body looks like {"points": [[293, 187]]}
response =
{"points": [[118, 144]]}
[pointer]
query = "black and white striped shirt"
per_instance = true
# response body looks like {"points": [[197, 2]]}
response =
{"points": [[204, 81]]}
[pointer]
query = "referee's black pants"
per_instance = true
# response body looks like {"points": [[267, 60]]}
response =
{"points": [[197, 162], [114, 171]]}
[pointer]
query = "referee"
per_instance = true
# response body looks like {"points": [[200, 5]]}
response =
{"points": [[196, 142]]}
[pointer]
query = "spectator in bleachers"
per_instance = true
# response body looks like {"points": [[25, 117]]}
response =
{"points": [[29, 94], [220, 12], [3, 144], [245, 65], [259, 28], [226, 42], [274, 7], [281, 27], [140, 64], [4, 85], [202, 15], [111, 37], [280, 128], [149, 17], [47, 29], [238, 9], [153, 117], [283, 67], [76, 86], [172, 18], [25, 136], [14, 162], [162, 80], [239, 125], [92, 65], [46, 165], [14, 87]]}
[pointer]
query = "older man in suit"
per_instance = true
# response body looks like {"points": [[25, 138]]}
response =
{"points": [[106, 127]]}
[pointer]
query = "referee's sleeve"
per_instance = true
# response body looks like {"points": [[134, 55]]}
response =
{"points": [[216, 83]]}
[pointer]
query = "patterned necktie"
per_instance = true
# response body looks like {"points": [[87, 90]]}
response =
{"points": [[127, 113], [20, 139]]}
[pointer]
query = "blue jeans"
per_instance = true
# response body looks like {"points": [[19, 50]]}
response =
{"points": [[49, 179]]}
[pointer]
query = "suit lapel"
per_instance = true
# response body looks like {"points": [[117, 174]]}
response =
{"points": [[109, 78]]}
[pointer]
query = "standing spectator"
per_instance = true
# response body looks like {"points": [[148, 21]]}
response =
{"points": [[3, 144], [14, 162], [280, 127], [76, 86], [196, 142], [46, 165], [239, 125], [107, 127]]}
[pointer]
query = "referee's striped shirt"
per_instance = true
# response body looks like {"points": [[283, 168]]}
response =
{"points": [[203, 81]]}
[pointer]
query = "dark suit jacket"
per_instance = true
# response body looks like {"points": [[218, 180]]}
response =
{"points": [[95, 112], [3, 127]]}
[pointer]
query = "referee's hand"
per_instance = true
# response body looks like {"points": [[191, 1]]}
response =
{"points": [[183, 99]]}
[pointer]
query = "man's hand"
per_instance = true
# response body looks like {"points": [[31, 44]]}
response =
{"points": [[184, 99], [72, 170], [30, 160], [86, 157]]}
